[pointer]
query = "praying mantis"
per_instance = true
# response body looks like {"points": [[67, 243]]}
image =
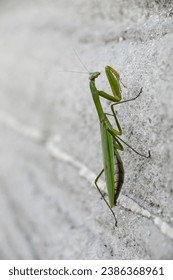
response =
{"points": [[111, 142]]}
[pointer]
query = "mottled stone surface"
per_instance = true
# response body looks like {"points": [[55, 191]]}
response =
{"points": [[49, 132]]}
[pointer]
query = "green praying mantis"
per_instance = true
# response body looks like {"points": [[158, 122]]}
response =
{"points": [[111, 142]]}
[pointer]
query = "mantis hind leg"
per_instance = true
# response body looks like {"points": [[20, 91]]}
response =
{"points": [[96, 180], [115, 136], [149, 154]]}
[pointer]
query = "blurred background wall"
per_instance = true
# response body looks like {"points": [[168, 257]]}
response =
{"points": [[49, 131]]}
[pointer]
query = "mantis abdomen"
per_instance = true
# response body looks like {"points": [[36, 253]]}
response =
{"points": [[118, 175]]}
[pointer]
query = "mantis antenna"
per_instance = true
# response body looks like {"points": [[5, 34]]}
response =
{"points": [[80, 60]]}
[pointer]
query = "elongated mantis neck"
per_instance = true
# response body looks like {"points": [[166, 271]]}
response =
{"points": [[96, 98]]}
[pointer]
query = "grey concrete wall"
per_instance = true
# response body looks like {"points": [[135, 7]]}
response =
{"points": [[49, 131]]}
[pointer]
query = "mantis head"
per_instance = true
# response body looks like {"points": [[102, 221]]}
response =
{"points": [[93, 75]]}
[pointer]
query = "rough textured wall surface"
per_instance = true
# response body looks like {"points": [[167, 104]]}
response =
{"points": [[49, 131]]}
